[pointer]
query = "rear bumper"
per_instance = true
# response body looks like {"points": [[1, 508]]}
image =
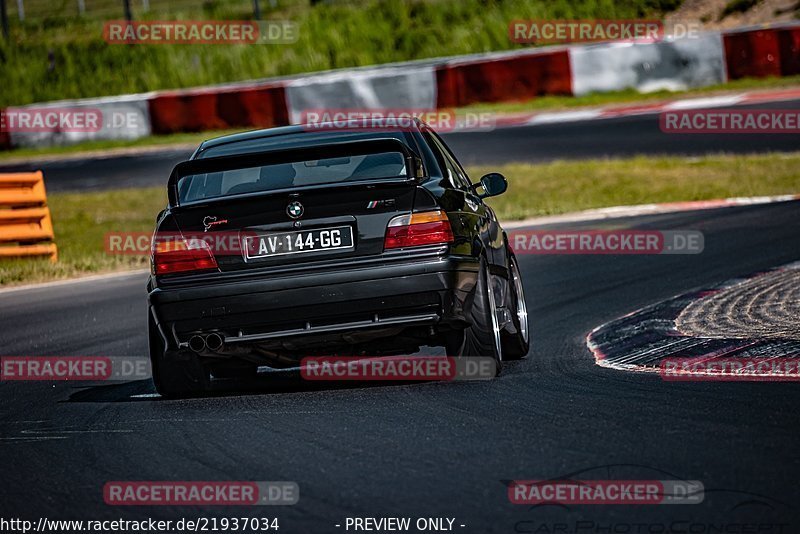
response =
{"points": [[392, 293]]}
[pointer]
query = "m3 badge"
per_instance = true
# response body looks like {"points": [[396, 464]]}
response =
{"points": [[387, 203]]}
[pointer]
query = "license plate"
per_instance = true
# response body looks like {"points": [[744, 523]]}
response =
{"points": [[280, 244]]}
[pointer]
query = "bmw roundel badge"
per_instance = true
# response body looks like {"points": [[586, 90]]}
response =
{"points": [[295, 210]]}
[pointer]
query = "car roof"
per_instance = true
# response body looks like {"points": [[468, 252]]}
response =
{"points": [[252, 134], [298, 131]]}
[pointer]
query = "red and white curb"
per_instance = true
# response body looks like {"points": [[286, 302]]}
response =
{"points": [[93, 278], [641, 340], [617, 212], [616, 111]]}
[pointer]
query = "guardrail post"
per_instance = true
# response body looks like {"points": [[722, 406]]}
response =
{"points": [[4, 18]]}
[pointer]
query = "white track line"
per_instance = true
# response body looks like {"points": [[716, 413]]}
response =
{"points": [[81, 280]]}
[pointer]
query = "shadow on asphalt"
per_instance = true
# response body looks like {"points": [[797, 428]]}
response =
{"points": [[144, 391]]}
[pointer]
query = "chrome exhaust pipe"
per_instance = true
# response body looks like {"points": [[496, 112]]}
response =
{"points": [[214, 342], [197, 343]]}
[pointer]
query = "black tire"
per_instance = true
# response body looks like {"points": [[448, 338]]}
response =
{"points": [[175, 374], [482, 337], [516, 344]]}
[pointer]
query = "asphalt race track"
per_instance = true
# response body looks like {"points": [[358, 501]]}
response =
{"points": [[424, 450], [618, 137]]}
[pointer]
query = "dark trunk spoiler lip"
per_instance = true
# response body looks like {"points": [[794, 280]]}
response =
{"points": [[329, 150]]}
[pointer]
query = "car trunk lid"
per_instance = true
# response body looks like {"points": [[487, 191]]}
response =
{"points": [[297, 205]]}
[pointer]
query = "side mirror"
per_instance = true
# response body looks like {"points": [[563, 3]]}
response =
{"points": [[493, 184]]}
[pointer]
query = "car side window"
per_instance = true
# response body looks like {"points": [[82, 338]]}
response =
{"points": [[460, 176], [440, 158], [445, 162]]}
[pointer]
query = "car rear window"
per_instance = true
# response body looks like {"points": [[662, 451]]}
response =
{"points": [[198, 187]]}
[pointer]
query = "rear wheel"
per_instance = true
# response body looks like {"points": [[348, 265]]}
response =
{"points": [[175, 374], [482, 337], [516, 345]]}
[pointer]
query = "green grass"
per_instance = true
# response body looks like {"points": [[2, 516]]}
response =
{"points": [[568, 186], [82, 219], [737, 6], [331, 35]]}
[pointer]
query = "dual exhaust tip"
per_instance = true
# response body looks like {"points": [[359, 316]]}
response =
{"points": [[212, 342]]}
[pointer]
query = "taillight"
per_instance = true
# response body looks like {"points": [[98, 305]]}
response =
{"points": [[418, 229], [179, 255]]}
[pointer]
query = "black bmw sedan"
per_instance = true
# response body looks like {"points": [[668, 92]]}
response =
{"points": [[288, 242]]}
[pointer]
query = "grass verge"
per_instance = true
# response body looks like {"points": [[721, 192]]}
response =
{"points": [[57, 55], [82, 219], [568, 186]]}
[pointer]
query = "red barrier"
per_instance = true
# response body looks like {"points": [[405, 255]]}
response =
{"points": [[5, 138], [214, 109], [261, 107], [184, 111], [519, 77], [789, 46], [752, 54]]}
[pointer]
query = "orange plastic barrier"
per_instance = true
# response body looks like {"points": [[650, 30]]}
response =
{"points": [[26, 228]]}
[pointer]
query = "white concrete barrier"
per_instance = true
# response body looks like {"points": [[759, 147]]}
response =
{"points": [[122, 117], [408, 87], [667, 65]]}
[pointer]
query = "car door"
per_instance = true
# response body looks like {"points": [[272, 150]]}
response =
{"points": [[475, 214]]}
